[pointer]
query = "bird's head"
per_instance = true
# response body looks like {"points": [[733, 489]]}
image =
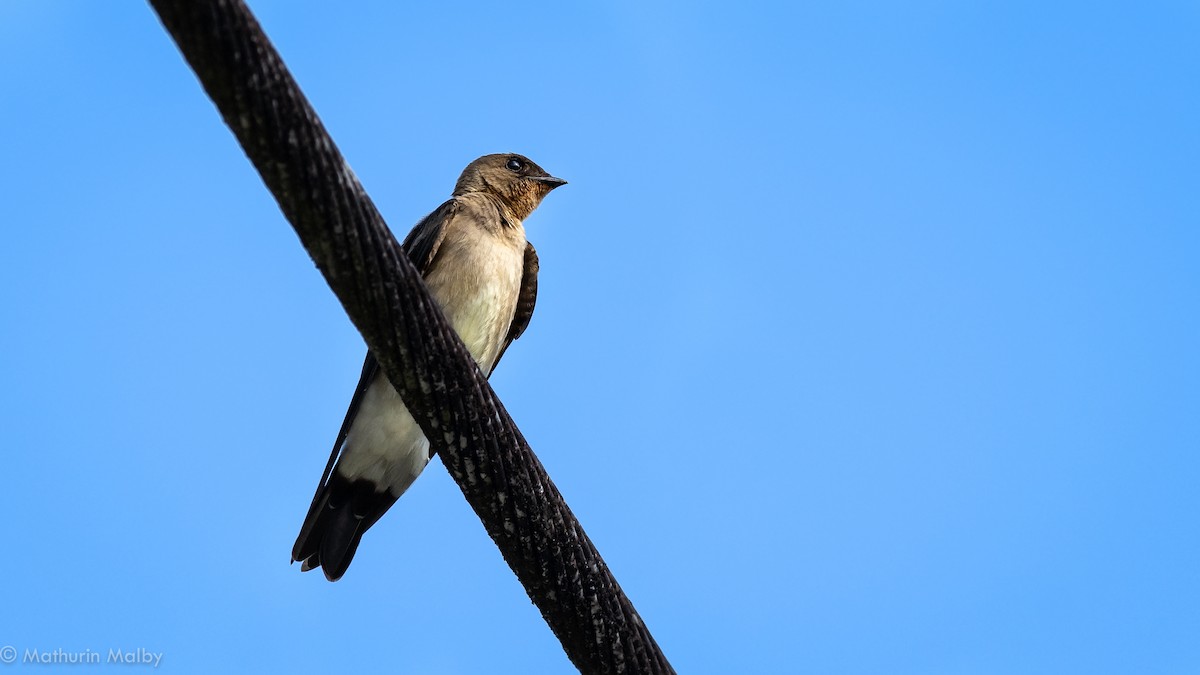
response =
{"points": [[514, 179]]}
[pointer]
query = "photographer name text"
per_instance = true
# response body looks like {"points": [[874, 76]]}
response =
{"points": [[126, 657]]}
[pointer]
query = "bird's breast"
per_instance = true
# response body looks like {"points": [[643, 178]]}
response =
{"points": [[477, 283]]}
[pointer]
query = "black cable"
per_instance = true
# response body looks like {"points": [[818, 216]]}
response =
{"points": [[384, 296]]}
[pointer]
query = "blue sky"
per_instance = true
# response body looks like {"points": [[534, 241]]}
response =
{"points": [[866, 341]]}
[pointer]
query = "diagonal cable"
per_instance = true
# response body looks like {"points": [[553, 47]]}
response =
{"points": [[386, 299]]}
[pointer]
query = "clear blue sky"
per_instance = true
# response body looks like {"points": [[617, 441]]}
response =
{"points": [[867, 339]]}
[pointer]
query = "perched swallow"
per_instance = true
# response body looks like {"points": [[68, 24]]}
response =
{"points": [[482, 272]]}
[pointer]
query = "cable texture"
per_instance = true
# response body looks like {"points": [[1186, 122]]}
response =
{"points": [[386, 299]]}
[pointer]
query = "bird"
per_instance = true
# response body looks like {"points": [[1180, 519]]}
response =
{"points": [[482, 272]]}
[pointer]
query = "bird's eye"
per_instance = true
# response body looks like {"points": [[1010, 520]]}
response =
{"points": [[515, 165]]}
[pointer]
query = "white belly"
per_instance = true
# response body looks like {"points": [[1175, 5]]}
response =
{"points": [[384, 445]]}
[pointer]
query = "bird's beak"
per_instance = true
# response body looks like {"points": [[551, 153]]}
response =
{"points": [[550, 181]]}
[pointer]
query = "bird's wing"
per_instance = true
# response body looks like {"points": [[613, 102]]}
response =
{"points": [[423, 242], [421, 245], [525, 301]]}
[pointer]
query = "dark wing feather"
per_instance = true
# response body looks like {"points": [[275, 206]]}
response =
{"points": [[304, 542], [423, 241], [525, 301], [421, 245]]}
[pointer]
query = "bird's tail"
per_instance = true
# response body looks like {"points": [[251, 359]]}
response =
{"points": [[341, 512]]}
